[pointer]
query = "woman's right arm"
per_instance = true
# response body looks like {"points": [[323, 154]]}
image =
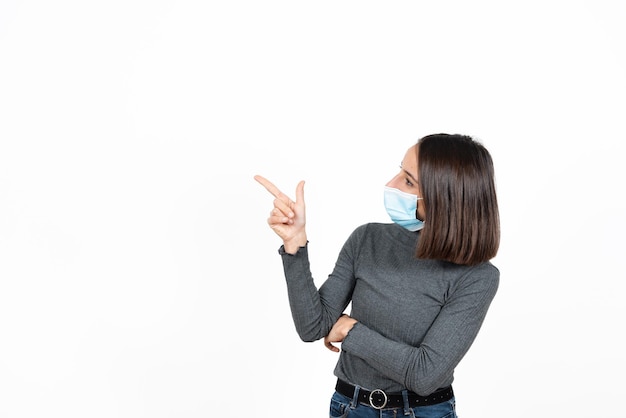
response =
{"points": [[314, 312]]}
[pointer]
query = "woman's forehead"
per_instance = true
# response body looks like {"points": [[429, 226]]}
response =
{"points": [[410, 158]]}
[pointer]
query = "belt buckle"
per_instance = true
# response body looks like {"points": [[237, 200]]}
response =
{"points": [[371, 399]]}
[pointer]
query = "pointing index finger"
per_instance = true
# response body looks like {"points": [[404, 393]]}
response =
{"points": [[269, 186]]}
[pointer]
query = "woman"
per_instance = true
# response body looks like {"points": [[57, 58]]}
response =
{"points": [[420, 287]]}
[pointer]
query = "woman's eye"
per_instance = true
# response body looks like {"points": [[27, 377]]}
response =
{"points": [[408, 182]]}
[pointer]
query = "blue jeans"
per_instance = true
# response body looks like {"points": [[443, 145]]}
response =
{"points": [[343, 407]]}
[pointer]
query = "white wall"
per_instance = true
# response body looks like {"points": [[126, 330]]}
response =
{"points": [[138, 277]]}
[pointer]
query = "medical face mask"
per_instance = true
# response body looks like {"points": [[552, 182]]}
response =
{"points": [[402, 208]]}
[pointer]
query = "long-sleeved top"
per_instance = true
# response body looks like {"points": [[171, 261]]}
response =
{"points": [[416, 318]]}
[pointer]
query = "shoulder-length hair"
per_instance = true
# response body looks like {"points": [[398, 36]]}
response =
{"points": [[457, 181]]}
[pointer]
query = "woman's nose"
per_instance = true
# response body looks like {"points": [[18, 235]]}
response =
{"points": [[392, 182]]}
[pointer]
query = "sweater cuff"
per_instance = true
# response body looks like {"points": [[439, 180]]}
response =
{"points": [[353, 337], [362, 342], [301, 250]]}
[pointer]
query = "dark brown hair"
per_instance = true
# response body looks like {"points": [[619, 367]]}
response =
{"points": [[456, 176]]}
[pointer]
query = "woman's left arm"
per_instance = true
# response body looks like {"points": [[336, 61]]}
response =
{"points": [[425, 368]]}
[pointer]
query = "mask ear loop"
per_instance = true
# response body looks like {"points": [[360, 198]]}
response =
{"points": [[417, 206]]}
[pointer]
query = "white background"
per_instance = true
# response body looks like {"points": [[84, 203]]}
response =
{"points": [[138, 277]]}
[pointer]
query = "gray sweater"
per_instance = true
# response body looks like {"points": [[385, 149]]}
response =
{"points": [[416, 318]]}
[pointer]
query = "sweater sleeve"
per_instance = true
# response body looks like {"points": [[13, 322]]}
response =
{"points": [[315, 311], [424, 369]]}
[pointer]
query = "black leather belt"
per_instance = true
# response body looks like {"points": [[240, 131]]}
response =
{"points": [[378, 399]]}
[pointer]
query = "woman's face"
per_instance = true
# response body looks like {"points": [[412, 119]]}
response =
{"points": [[407, 180]]}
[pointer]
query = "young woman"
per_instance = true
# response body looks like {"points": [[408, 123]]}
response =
{"points": [[420, 287]]}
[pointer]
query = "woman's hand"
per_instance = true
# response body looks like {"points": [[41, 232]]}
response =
{"points": [[288, 218], [339, 331]]}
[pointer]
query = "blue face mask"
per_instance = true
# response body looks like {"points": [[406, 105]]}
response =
{"points": [[402, 208]]}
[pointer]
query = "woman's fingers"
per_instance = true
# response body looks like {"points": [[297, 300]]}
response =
{"points": [[282, 201], [285, 209], [269, 186], [277, 217], [329, 345], [300, 193], [287, 218]]}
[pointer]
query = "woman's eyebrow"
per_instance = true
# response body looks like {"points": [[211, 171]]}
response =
{"points": [[408, 174]]}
